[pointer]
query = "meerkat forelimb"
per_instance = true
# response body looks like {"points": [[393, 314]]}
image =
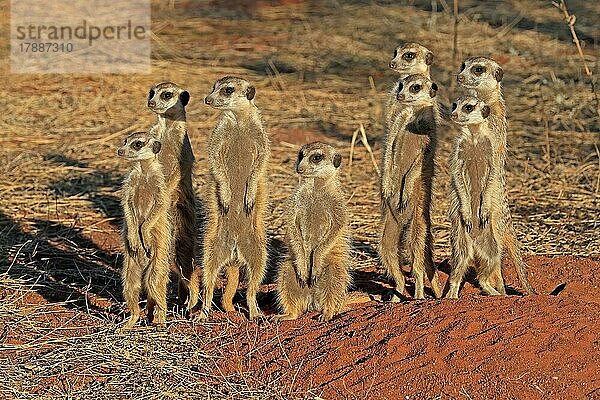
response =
{"points": [[146, 231], [168, 101], [406, 184], [478, 202], [315, 277], [238, 156]]}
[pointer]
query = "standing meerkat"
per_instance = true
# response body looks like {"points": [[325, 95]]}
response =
{"points": [[481, 77], [146, 231], [478, 201], [238, 156], [168, 101], [406, 184], [316, 274]]}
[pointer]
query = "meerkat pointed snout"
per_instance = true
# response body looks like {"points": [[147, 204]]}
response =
{"points": [[165, 96], [231, 93], [411, 58]]}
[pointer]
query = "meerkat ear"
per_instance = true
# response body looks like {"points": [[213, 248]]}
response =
{"points": [[250, 92], [156, 146], [485, 111], [429, 58], [337, 160], [433, 90], [184, 97], [499, 74]]}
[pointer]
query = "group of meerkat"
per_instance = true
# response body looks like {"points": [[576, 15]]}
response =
{"points": [[159, 205], [481, 225]]}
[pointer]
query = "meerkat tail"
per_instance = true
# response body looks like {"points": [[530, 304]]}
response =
{"points": [[513, 251]]}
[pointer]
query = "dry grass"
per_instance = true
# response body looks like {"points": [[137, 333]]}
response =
{"points": [[321, 74]]}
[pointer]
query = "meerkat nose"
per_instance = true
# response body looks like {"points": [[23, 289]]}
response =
{"points": [[400, 97], [454, 115], [207, 101], [299, 169], [121, 152], [151, 103], [460, 78], [392, 65]]}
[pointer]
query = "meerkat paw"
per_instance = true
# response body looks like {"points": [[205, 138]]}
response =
{"points": [[202, 316], [284, 317], [129, 324], [326, 316], [249, 201], [225, 200], [484, 217]]}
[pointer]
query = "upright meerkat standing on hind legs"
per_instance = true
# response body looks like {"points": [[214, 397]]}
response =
{"points": [[406, 184], [147, 229], [480, 77], [168, 101], [478, 201], [238, 156], [316, 274]]}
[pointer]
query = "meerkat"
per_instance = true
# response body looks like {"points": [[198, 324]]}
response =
{"points": [[481, 77], [316, 275], [408, 59], [168, 101], [146, 231], [478, 202], [238, 156], [406, 184]]}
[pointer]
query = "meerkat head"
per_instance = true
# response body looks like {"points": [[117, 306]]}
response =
{"points": [[481, 74], [231, 93], [139, 146], [469, 111], [166, 96], [411, 58], [318, 160], [415, 90]]}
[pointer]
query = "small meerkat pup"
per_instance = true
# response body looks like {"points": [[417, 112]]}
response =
{"points": [[406, 180], [168, 101], [146, 231], [478, 201], [316, 275], [238, 156], [481, 77]]}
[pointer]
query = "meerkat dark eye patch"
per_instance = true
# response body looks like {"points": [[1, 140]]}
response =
{"points": [[454, 105], [478, 69], [416, 88], [400, 87], [468, 108], [485, 111], [409, 56], [300, 157], [429, 58], [462, 67], [166, 95], [337, 160], [138, 144], [250, 92], [228, 90], [395, 53], [184, 97], [316, 158], [151, 94]]}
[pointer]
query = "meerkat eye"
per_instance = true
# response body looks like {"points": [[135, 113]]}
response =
{"points": [[316, 158], [462, 67], [468, 108], [166, 95], [138, 144], [454, 106], [415, 88], [478, 69], [229, 90], [409, 56]]}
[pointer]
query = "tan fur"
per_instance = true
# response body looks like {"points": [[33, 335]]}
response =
{"points": [[481, 77], [315, 277], [177, 159], [407, 174], [238, 156], [146, 233], [478, 202]]}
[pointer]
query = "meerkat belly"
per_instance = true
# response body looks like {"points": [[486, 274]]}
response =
{"points": [[477, 165], [407, 151], [239, 167], [316, 222], [144, 196]]}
